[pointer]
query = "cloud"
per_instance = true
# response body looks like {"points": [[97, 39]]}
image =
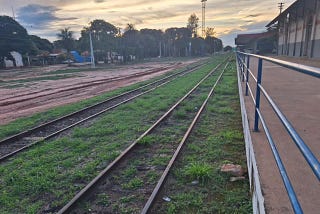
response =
{"points": [[254, 15], [39, 16]]}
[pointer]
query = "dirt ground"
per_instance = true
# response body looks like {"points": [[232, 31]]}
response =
{"points": [[33, 95]]}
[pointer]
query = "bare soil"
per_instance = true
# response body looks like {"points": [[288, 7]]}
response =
{"points": [[39, 95]]}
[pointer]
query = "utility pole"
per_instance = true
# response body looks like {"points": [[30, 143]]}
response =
{"points": [[203, 17], [13, 16], [280, 6], [93, 65]]}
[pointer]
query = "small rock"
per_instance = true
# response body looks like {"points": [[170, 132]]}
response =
{"points": [[233, 179], [145, 168], [166, 198], [195, 182], [233, 169]]}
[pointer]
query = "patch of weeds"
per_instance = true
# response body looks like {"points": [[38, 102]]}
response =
{"points": [[152, 176], [181, 114], [130, 172], [103, 199], [134, 183], [185, 203], [198, 171], [160, 160], [225, 110], [147, 140], [231, 135], [127, 199]]}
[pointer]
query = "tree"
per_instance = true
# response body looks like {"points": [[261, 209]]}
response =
{"points": [[210, 31], [41, 44], [177, 41], [193, 24], [131, 42], [103, 38], [151, 40], [227, 48], [13, 37], [213, 44], [66, 38]]}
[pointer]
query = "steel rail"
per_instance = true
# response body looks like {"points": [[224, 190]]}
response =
{"points": [[24, 134], [9, 100], [163, 177], [312, 71], [104, 172]]}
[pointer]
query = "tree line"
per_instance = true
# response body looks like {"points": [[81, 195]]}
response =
{"points": [[107, 38]]}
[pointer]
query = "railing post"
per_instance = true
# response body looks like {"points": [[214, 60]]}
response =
{"points": [[242, 67], [256, 117], [243, 61], [247, 74]]}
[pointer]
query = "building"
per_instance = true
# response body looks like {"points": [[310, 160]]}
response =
{"points": [[298, 29], [256, 42]]}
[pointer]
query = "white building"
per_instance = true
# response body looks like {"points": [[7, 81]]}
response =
{"points": [[17, 59], [299, 29]]}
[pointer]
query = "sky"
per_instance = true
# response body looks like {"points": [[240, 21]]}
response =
{"points": [[228, 17]]}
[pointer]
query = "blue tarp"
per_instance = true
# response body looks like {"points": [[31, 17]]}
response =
{"points": [[78, 58]]}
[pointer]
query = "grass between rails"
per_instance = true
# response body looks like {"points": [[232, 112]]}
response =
{"points": [[47, 176], [21, 124], [132, 181], [216, 139]]}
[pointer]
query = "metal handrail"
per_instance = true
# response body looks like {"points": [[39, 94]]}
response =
{"points": [[313, 71], [243, 60]]}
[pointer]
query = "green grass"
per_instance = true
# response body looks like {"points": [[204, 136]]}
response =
{"points": [[154, 152], [198, 171], [51, 173], [133, 184], [216, 139], [21, 124]]}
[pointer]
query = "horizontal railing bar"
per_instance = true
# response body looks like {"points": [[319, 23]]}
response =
{"points": [[251, 74], [313, 71], [306, 152], [292, 196], [251, 94]]}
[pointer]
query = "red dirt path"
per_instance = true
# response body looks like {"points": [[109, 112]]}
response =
{"points": [[38, 96]]}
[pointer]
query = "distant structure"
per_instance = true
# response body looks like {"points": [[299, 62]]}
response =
{"points": [[256, 43], [280, 5], [203, 17], [298, 29], [13, 16]]}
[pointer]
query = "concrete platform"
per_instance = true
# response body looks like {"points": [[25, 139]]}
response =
{"points": [[298, 97]]}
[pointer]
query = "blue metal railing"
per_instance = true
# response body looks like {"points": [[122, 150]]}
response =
{"points": [[243, 60]]}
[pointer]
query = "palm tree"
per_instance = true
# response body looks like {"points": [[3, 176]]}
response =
{"points": [[67, 40]]}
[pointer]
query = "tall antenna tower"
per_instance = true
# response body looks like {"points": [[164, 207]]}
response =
{"points": [[280, 6], [203, 18]]}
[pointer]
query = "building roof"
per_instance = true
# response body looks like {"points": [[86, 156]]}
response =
{"points": [[243, 39], [284, 13]]}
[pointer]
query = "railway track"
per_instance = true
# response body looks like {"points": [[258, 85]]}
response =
{"points": [[108, 182], [43, 93], [24, 140]]}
